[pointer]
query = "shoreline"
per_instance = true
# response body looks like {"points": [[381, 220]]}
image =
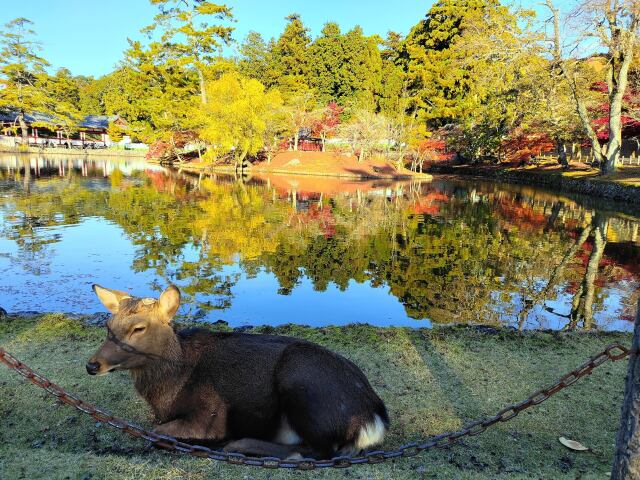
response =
{"points": [[73, 151], [199, 168], [605, 189]]}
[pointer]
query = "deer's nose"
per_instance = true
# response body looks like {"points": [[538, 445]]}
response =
{"points": [[93, 367]]}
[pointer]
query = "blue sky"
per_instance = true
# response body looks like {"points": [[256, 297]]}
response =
{"points": [[88, 37]]}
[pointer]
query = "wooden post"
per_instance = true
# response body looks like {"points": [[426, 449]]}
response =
{"points": [[626, 462]]}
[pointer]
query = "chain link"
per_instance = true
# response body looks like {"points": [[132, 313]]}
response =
{"points": [[613, 352]]}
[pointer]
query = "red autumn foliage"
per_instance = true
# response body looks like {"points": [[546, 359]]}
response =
{"points": [[631, 102], [161, 148], [434, 150], [327, 124], [523, 145]]}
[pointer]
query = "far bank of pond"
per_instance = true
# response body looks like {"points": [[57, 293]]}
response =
{"points": [[103, 152], [432, 381], [318, 251], [624, 187], [318, 164]]}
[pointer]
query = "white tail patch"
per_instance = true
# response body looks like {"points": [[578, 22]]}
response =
{"points": [[371, 434], [287, 435]]}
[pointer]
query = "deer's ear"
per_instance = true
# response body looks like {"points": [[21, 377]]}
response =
{"points": [[110, 298], [169, 302]]}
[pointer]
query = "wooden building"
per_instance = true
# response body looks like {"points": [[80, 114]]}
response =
{"points": [[90, 132]]}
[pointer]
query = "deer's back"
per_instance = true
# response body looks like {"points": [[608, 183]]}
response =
{"points": [[240, 369]]}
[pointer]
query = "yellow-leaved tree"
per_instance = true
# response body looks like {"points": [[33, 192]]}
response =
{"points": [[238, 117]]}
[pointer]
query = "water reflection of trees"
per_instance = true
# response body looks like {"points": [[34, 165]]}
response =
{"points": [[448, 252]]}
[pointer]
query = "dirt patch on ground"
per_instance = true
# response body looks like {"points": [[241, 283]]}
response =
{"points": [[330, 164]]}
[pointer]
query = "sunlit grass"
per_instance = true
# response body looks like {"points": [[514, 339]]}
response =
{"points": [[625, 174], [432, 381]]}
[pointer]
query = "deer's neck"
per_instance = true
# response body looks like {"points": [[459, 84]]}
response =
{"points": [[160, 382]]}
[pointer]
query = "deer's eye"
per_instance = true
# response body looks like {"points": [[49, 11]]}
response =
{"points": [[139, 329]]}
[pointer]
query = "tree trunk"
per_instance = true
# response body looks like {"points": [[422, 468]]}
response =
{"points": [[626, 461], [240, 159], [323, 142], [203, 89], [579, 101], [617, 83], [24, 133], [296, 137], [562, 154]]}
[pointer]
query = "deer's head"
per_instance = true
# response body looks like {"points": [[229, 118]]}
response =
{"points": [[139, 331]]}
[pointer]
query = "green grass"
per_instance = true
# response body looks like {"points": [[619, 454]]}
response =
{"points": [[431, 380]]}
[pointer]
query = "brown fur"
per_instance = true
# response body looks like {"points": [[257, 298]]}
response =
{"points": [[230, 387]]}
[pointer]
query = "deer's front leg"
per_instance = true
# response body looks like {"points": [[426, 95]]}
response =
{"points": [[184, 428], [199, 426]]}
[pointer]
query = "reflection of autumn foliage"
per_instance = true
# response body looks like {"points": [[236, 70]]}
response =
{"points": [[322, 217], [520, 214], [447, 250], [165, 182], [429, 203], [620, 262]]}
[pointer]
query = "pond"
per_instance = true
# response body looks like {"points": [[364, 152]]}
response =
{"points": [[313, 251]]}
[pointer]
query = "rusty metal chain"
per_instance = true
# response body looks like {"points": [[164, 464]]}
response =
{"points": [[613, 352]]}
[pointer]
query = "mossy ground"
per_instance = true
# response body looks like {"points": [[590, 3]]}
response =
{"points": [[431, 380], [625, 174]]}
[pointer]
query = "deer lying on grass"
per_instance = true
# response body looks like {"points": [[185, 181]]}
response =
{"points": [[254, 394]]}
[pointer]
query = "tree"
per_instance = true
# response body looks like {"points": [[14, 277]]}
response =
{"points": [[328, 122], [626, 462], [365, 132], [187, 37], [393, 93], [300, 112], [22, 72], [360, 72], [615, 25], [326, 57], [236, 121], [546, 105], [463, 65], [290, 56], [255, 59], [115, 132], [62, 100], [90, 92], [432, 62]]}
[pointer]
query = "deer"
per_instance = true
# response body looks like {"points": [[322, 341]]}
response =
{"points": [[255, 394]]}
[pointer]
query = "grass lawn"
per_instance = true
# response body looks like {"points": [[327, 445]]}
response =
{"points": [[431, 380], [625, 175]]}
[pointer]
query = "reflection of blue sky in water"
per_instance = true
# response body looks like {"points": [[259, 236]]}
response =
{"points": [[97, 251], [57, 276], [256, 302]]}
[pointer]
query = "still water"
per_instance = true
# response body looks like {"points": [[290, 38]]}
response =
{"points": [[313, 251]]}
